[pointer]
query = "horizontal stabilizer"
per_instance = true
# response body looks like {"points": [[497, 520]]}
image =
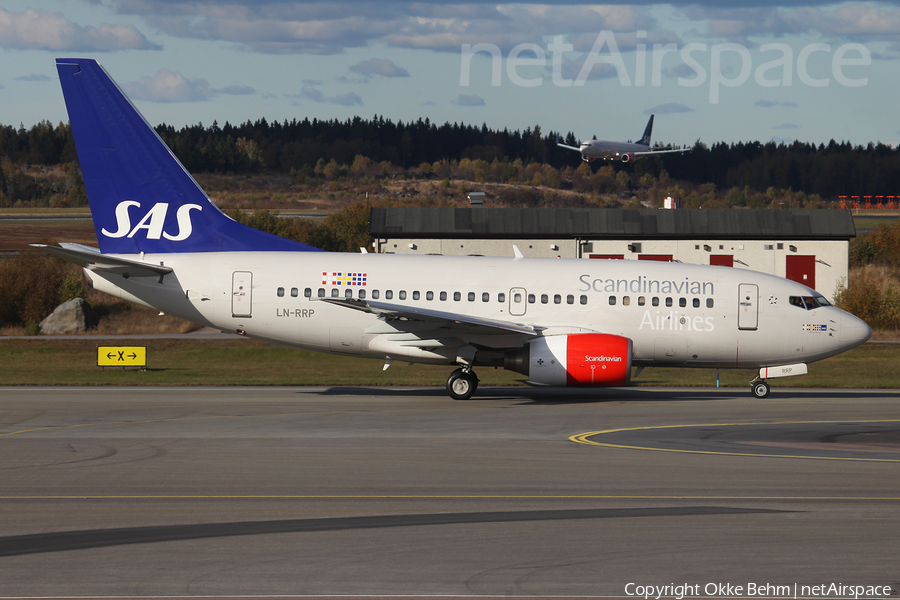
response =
{"points": [[92, 260]]}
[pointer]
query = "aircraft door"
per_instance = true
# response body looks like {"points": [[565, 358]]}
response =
{"points": [[241, 293], [748, 306], [518, 302]]}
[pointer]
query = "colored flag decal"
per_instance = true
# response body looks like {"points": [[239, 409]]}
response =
{"points": [[340, 278], [815, 328]]}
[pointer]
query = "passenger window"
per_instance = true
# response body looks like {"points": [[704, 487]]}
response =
{"points": [[348, 293], [402, 295], [335, 292], [375, 294], [501, 297], [531, 298], [443, 296], [429, 295], [612, 300], [655, 301], [457, 296], [415, 295], [682, 302], [709, 303], [583, 299], [471, 296], [696, 302], [570, 299], [321, 292], [668, 302], [280, 292], [362, 294], [641, 300], [485, 297], [307, 293], [544, 299], [626, 301], [517, 298], [388, 294], [557, 299], [294, 292]]}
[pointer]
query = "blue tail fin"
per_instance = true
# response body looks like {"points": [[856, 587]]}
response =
{"points": [[142, 199], [648, 130]]}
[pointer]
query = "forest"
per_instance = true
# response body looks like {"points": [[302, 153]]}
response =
{"points": [[310, 151]]}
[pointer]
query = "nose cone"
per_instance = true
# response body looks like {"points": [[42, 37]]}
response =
{"points": [[854, 331]]}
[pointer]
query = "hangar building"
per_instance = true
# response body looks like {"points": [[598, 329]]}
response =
{"points": [[809, 246]]}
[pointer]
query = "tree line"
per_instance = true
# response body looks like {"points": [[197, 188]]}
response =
{"points": [[300, 146]]}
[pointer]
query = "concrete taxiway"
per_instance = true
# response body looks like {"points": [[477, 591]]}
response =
{"points": [[372, 491]]}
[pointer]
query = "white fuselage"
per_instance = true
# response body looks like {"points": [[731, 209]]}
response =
{"points": [[604, 149], [675, 314]]}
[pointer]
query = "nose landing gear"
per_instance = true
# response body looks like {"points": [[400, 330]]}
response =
{"points": [[759, 388], [461, 384]]}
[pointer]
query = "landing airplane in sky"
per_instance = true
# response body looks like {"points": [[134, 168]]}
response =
{"points": [[626, 152], [560, 322]]}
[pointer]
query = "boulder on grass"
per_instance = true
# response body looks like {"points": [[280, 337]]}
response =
{"points": [[74, 316]]}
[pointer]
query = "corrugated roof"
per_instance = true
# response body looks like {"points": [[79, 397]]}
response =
{"points": [[610, 223]]}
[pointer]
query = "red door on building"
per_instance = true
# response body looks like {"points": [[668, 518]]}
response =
{"points": [[659, 257], [724, 260], [801, 269], [607, 256]]}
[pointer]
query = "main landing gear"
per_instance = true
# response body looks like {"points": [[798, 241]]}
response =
{"points": [[461, 384], [759, 387]]}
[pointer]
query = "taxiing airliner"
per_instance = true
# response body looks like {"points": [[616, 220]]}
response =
{"points": [[626, 152], [560, 322]]}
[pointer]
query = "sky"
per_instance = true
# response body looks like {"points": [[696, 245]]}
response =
{"points": [[710, 70]]}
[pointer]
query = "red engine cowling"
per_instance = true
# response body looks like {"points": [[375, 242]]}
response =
{"points": [[628, 158], [576, 360]]}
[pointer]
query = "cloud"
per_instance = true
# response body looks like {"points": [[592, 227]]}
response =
{"points": [[469, 100], [669, 108], [379, 66], [169, 86], [348, 99], [236, 90], [32, 77], [315, 27], [773, 103], [786, 126], [858, 22], [38, 29], [271, 27], [313, 94]]}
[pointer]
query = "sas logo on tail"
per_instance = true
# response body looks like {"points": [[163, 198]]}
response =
{"points": [[153, 221]]}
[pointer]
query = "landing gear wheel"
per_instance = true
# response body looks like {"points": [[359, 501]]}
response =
{"points": [[461, 385], [760, 389]]}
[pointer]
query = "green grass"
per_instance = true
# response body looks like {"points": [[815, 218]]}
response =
{"points": [[247, 362]]}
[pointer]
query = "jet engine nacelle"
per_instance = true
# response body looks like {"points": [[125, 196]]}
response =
{"points": [[575, 360], [628, 158]]}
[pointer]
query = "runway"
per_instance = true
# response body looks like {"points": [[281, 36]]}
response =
{"points": [[130, 492]]}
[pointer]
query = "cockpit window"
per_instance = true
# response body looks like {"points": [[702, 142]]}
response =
{"points": [[808, 302]]}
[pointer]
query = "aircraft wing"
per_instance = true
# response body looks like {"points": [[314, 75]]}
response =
{"points": [[388, 310], [91, 259], [561, 145], [667, 151]]}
